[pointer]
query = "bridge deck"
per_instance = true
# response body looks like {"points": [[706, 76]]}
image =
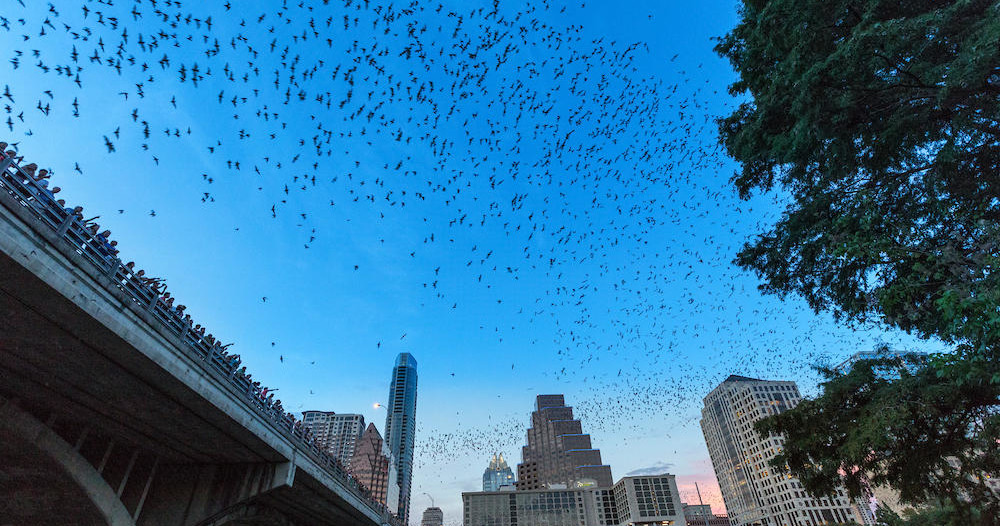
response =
{"points": [[83, 337]]}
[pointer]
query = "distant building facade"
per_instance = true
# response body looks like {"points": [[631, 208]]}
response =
{"points": [[754, 494], [590, 506], [497, 474], [648, 500], [633, 501], [433, 516], [337, 434], [373, 466], [696, 511], [557, 450], [712, 520], [701, 515], [401, 426]]}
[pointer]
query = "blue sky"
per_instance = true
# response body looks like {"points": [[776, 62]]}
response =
{"points": [[595, 264]]}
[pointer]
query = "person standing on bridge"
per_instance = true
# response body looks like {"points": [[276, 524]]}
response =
{"points": [[29, 170], [45, 197], [103, 245], [75, 212], [109, 246]]}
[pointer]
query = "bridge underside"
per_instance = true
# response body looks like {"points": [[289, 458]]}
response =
{"points": [[36, 489], [93, 431]]}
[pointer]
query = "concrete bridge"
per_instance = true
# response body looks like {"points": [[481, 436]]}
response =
{"points": [[114, 411]]}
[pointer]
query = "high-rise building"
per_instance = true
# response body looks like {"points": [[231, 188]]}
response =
{"points": [[498, 474], [433, 516], [590, 506], [373, 466], [401, 426], [756, 495], [648, 500], [558, 453], [337, 434]]}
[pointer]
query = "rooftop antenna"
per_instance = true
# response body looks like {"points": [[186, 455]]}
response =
{"points": [[701, 502]]}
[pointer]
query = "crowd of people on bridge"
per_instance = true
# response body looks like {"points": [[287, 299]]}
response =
{"points": [[36, 182], [30, 185]]}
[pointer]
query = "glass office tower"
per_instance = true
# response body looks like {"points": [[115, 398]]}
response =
{"points": [[401, 426], [498, 474]]}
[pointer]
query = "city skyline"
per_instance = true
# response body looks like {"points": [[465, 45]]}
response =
{"points": [[561, 481]]}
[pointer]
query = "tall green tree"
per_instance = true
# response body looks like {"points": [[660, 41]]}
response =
{"points": [[880, 121], [896, 422]]}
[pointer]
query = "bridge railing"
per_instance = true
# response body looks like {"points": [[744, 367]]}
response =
{"points": [[146, 297]]}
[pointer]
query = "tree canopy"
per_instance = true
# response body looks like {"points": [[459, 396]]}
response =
{"points": [[880, 122], [896, 422], [881, 119]]}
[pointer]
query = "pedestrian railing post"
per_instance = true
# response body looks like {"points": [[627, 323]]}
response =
{"points": [[112, 269], [152, 302], [64, 226]]}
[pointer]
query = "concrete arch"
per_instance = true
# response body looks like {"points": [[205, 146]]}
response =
{"points": [[46, 451]]}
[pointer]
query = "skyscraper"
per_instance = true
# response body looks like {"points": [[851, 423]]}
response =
{"points": [[754, 494], [558, 452], [433, 516], [337, 434], [497, 474], [373, 466], [401, 426]]}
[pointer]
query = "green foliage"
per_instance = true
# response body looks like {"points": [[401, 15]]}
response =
{"points": [[881, 121], [895, 422], [940, 515]]}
